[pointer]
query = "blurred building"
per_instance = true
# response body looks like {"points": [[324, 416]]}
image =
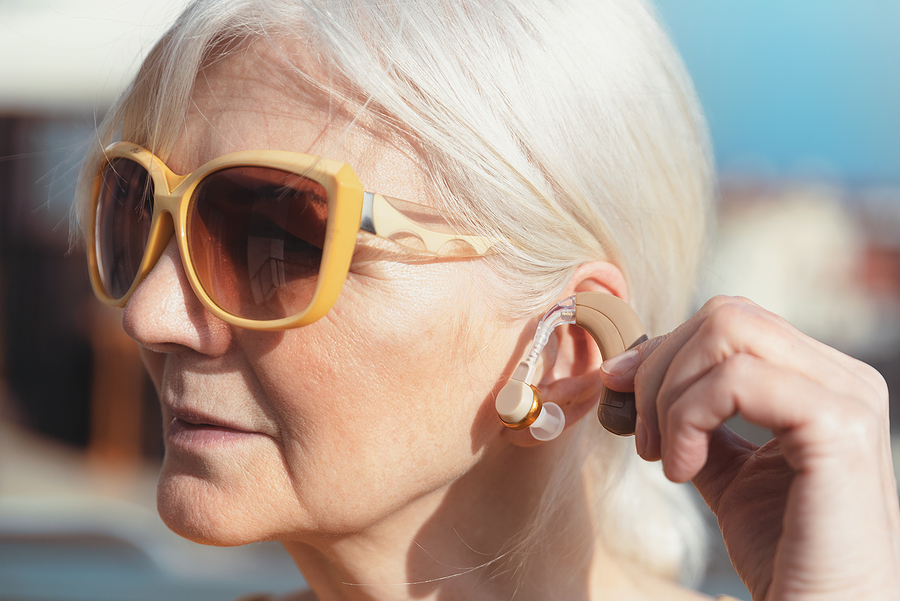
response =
{"points": [[823, 256]]}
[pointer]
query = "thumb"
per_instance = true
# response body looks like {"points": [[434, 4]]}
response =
{"points": [[618, 372]]}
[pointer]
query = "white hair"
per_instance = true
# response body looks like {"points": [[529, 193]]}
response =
{"points": [[567, 128]]}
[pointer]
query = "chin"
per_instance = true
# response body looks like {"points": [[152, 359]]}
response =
{"points": [[204, 512]]}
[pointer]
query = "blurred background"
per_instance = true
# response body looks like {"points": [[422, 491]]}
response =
{"points": [[801, 98]]}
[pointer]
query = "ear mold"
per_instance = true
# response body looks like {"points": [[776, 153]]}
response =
{"points": [[614, 327]]}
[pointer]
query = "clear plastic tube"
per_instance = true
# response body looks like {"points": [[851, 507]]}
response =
{"points": [[563, 312], [516, 399]]}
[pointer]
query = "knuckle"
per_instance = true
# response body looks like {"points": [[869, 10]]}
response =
{"points": [[867, 384], [858, 425], [739, 321], [718, 301], [727, 318], [734, 307], [721, 301], [876, 380], [736, 367], [861, 429]]}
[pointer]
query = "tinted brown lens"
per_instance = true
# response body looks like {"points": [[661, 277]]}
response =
{"points": [[255, 237], [124, 212]]}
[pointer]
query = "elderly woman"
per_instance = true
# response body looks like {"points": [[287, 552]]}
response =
{"points": [[328, 356]]}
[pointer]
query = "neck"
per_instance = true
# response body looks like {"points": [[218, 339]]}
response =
{"points": [[468, 540]]}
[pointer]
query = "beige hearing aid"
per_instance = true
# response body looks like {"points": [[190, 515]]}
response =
{"points": [[614, 327]]}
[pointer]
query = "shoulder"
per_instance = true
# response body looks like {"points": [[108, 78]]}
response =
{"points": [[636, 582], [305, 595]]}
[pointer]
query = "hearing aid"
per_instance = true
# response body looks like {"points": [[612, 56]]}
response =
{"points": [[615, 328]]}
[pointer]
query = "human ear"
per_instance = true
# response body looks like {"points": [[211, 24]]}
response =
{"points": [[568, 381], [571, 375]]}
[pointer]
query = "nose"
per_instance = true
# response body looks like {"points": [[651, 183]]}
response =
{"points": [[164, 315]]}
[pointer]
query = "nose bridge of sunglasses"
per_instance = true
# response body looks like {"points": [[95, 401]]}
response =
{"points": [[169, 220], [178, 188], [171, 203], [174, 183], [159, 237]]}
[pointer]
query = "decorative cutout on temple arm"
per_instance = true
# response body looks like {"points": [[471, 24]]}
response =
{"points": [[394, 219]]}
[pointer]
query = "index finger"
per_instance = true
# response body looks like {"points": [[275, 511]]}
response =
{"points": [[643, 369]]}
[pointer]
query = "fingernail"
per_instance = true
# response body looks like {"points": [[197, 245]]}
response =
{"points": [[620, 364], [640, 437]]}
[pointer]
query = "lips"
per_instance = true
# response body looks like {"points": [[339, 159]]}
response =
{"points": [[197, 431], [200, 419]]}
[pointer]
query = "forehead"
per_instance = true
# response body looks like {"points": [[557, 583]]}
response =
{"points": [[254, 99]]}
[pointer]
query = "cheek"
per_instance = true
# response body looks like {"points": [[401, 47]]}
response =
{"points": [[369, 387], [367, 397], [397, 348], [154, 363]]}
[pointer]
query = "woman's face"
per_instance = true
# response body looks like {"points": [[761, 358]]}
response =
{"points": [[330, 428]]}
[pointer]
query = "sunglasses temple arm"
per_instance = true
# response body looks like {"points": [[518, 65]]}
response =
{"points": [[367, 221], [381, 218]]}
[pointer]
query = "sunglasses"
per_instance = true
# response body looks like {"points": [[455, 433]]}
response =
{"points": [[266, 237]]}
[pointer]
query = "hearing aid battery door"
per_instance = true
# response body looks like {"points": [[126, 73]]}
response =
{"points": [[615, 328], [618, 412]]}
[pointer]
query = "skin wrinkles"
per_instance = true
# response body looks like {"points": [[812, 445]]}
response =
{"points": [[257, 365]]}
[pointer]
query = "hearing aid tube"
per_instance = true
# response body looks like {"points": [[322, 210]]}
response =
{"points": [[563, 312], [519, 403]]}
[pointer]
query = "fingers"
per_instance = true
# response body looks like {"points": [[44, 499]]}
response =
{"points": [[763, 393], [733, 356], [644, 368], [621, 373], [727, 327], [819, 498]]}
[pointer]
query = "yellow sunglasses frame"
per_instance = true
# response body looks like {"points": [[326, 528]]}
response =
{"points": [[350, 209]]}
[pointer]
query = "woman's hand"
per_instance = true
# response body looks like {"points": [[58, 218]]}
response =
{"points": [[813, 514]]}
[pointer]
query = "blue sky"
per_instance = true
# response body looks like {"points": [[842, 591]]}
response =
{"points": [[796, 87]]}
